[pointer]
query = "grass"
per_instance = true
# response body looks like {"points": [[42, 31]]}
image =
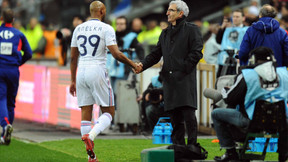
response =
{"points": [[114, 150]]}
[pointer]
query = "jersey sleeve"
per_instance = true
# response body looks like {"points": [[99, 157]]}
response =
{"points": [[26, 49], [74, 38], [110, 37]]}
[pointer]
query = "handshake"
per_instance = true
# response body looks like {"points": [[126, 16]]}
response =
{"points": [[138, 68]]}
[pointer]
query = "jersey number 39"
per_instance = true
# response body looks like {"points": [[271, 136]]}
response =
{"points": [[93, 41]]}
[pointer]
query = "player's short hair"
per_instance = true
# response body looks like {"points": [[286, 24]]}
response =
{"points": [[8, 15], [181, 6]]}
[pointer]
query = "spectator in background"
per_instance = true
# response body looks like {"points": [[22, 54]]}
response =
{"points": [[231, 38], [11, 58], [236, 21], [212, 48], [53, 46], [265, 32], [77, 20], [204, 26], [63, 37], [5, 4], [251, 13], [163, 24], [254, 7], [284, 23], [34, 34], [18, 25], [151, 35], [137, 25], [126, 40]]}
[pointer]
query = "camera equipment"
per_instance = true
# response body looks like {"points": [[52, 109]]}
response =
{"points": [[212, 94], [154, 95]]}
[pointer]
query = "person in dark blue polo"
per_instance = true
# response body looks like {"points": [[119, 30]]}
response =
{"points": [[12, 42]]}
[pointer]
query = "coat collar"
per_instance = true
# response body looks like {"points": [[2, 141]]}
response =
{"points": [[174, 29]]}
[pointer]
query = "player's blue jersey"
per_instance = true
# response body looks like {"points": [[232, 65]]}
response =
{"points": [[12, 42]]}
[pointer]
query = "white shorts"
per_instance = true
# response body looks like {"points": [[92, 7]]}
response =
{"points": [[93, 86]]}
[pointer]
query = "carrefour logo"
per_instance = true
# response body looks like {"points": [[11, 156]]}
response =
{"points": [[6, 34]]}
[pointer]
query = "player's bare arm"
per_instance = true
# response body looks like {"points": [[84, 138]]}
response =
{"points": [[118, 55], [73, 68]]}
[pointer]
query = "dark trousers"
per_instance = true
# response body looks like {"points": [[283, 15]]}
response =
{"points": [[179, 116], [283, 143], [9, 81]]}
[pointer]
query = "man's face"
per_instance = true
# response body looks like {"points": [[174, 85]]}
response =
{"points": [[120, 25], [237, 18], [172, 13], [76, 21]]}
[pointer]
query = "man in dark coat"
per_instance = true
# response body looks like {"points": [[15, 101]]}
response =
{"points": [[180, 45]]}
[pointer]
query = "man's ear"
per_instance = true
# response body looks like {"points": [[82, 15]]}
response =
{"points": [[181, 14], [102, 11]]}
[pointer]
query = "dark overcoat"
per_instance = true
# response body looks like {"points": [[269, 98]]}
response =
{"points": [[181, 47]]}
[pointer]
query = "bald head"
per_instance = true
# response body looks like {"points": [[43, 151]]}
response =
{"points": [[267, 11], [8, 16], [97, 10]]}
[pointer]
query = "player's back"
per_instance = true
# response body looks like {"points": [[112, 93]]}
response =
{"points": [[11, 44], [91, 38]]}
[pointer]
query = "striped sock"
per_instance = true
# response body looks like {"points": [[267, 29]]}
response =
{"points": [[85, 127], [103, 122]]}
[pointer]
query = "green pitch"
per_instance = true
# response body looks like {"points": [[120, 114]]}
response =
{"points": [[72, 150]]}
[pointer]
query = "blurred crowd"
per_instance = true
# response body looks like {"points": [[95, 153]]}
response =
{"points": [[49, 40], [216, 42]]}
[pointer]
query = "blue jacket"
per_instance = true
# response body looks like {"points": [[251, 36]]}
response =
{"points": [[12, 42], [265, 32]]}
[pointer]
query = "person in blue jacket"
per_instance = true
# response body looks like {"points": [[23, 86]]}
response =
{"points": [[12, 42], [265, 32], [263, 82]]}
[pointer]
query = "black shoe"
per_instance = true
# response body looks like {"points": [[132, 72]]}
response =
{"points": [[227, 157]]}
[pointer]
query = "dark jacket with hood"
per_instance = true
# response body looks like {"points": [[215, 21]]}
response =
{"points": [[180, 47], [265, 32]]}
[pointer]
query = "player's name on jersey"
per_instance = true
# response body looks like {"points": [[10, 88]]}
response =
{"points": [[89, 28]]}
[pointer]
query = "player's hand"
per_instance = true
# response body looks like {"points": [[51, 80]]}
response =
{"points": [[73, 89], [138, 68]]}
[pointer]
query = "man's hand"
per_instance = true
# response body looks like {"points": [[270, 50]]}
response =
{"points": [[73, 89], [138, 68], [225, 23]]}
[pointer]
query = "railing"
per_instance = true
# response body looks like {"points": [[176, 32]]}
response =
{"points": [[206, 78]]}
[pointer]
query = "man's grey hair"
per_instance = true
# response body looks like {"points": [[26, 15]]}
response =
{"points": [[268, 11], [181, 6]]}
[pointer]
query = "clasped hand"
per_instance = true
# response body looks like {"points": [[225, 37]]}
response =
{"points": [[138, 68]]}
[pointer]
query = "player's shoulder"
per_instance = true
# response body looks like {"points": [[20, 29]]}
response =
{"points": [[107, 26], [190, 24], [13, 30]]}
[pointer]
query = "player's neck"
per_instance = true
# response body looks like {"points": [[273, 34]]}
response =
{"points": [[95, 18]]}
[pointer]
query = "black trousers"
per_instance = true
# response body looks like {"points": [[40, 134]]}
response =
{"points": [[283, 143], [179, 116]]}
